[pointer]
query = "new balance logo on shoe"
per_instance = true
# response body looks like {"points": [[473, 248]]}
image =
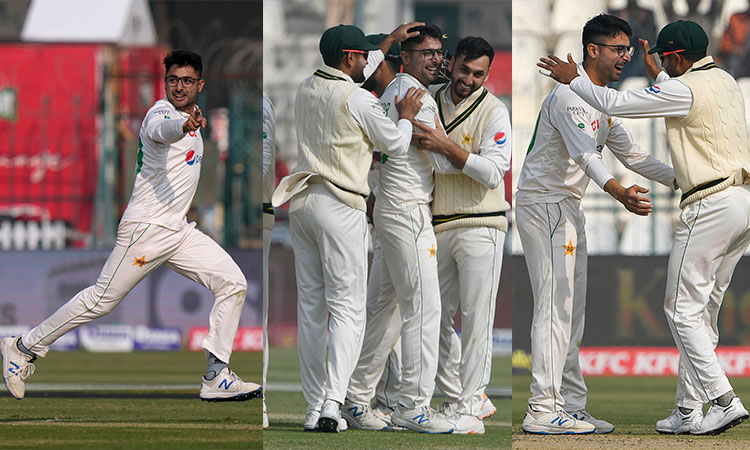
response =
{"points": [[14, 368], [560, 421], [224, 385], [420, 419], [355, 411]]}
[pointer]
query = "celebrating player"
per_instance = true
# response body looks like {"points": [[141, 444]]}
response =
{"points": [[469, 218], [564, 155], [337, 125], [154, 231], [708, 141]]}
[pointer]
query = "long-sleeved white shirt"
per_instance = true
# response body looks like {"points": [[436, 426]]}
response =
{"points": [[408, 177], [669, 97], [566, 147], [168, 168]]}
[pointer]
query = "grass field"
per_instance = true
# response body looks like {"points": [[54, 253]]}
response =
{"points": [[82, 400], [287, 415], [633, 405]]}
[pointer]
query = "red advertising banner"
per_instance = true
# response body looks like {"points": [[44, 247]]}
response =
{"points": [[49, 98], [654, 361], [248, 339]]}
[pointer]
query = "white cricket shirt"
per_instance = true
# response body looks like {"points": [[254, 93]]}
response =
{"points": [[167, 169]]}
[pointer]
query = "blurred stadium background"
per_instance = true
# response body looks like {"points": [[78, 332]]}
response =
{"points": [[291, 33], [626, 333], [76, 78]]}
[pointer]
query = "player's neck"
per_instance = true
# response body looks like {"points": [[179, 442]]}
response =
{"points": [[593, 75]]}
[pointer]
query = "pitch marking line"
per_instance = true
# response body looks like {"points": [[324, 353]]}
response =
{"points": [[72, 423], [111, 387]]}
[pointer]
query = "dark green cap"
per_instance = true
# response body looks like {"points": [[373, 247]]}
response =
{"points": [[394, 50], [682, 35], [343, 37]]}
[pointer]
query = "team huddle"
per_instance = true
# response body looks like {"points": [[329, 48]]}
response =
{"points": [[441, 150]]}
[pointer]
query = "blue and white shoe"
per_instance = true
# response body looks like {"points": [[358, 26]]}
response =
{"points": [[228, 387], [361, 417], [17, 367], [423, 420], [559, 422], [602, 426]]}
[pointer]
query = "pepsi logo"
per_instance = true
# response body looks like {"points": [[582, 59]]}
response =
{"points": [[192, 158], [500, 138], [654, 89]]}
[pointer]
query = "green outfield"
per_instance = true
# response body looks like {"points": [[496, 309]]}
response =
{"points": [[287, 407], [145, 400], [633, 405]]}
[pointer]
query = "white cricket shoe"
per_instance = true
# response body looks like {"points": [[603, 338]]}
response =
{"points": [[487, 408], [227, 386], [679, 423], [311, 420], [602, 426], [17, 367], [448, 410], [718, 419], [361, 417], [382, 412], [330, 417], [559, 422], [423, 420], [468, 424], [265, 416]]}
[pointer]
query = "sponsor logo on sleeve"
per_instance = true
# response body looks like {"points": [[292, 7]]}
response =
{"points": [[500, 138], [654, 89], [193, 158]]}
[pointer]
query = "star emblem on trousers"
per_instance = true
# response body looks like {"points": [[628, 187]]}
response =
{"points": [[140, 261], [432, 251], [569, 248]]}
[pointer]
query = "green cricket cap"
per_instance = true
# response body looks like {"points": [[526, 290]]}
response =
{"points": [[343, 37], [375, 39], [682, 35]]}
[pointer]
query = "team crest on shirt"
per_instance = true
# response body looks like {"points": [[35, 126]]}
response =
{"points": [[467, 138], [569, 249], [654, 89], [500, 138], [140, 261], [193, 158], [433, 251]]}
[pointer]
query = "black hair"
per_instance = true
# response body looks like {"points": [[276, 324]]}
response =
{"points": [[474, 47], [184, 58], [693, 57], [425, 31], [603, 25], [334, 60]]}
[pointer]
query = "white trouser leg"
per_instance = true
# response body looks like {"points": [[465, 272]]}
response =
{"points": [[448, 379], [477, 253], [202, 260], [550, 234], [711, 236], [410, 251], [389, 386], [330, 251], [266, 287], [382, 330], [120, 274]]}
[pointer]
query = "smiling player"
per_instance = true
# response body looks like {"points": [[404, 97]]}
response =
{"points": [[154, 231]]}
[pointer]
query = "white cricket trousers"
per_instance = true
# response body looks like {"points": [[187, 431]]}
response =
{"points": [[554, 246], [378, 371], [469, 263], [266, 287], [710, 238], [410, 253], [329, 240], [139, 249]]}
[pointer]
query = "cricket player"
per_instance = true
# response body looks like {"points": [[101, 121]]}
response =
{"points": [[404, 224], [378, 370], [269, 161], [704, 114], [337, 126], [564, 155], [469, 219], [154, 231]]}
